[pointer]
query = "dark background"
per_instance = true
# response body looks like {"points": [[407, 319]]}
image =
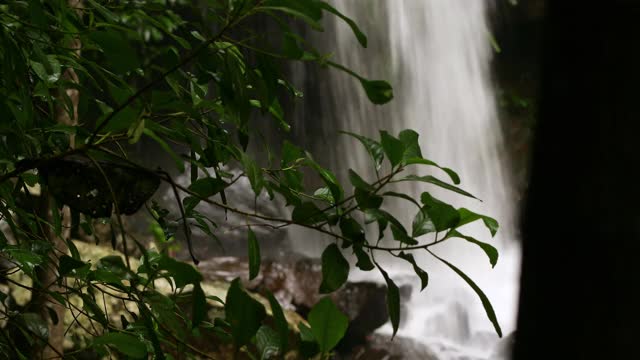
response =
{"points": [[580, 295]]}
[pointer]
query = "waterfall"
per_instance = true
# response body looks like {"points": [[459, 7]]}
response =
{"points": [[436, 54]]}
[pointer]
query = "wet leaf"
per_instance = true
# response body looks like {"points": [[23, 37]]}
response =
{"points": [[491, 251], [358, 182], [442, 215], [68, 264], [362, 38], [452, 174], [378, 91], [254, 255], [308, 213], [423, 275], [280, 321], [364, 262], [483, 298], [328, 324], [373, 147], [127, 344], [335, 269], [393, 148], [244, 314], [393, 301], [422, 224], [182, 273], [468, 216], [432, 180], [199, 306]]}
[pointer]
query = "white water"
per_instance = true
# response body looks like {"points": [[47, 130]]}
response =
{"points": [[437, 55]]}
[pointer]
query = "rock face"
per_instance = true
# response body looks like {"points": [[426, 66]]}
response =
{"points": [[381, 347]]}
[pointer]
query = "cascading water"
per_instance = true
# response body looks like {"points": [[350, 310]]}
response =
{"points": [[437, 54]]}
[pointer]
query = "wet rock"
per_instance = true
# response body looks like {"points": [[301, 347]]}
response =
{"points": [[381, 347]]}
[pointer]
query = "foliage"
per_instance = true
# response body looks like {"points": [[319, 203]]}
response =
{"points": [[190, 79]]}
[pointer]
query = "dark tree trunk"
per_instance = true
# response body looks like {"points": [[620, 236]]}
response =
{"points": [[580, 296]]}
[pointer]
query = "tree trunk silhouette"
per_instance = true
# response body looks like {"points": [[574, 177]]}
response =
{"points": [[47, 277], [580, 295]]}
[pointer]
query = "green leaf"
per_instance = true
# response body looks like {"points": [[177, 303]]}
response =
{"points": [[335, 269], [127, 344], [402, 196], [412, 146], [352, 230], [280, 321], [393, 301], [290, 47], [324, 194], [27, 260], [364, 262], [120, 55], [182, 273], [483, 298], [243, 313], [393, 148], [106, 13], [358, 182], [491, 251], [135, 130], [253, 173], [114, 265], [423, 275], [199, 306], [308, 344], [205, 188], [384, 218], [400, 234], [373, 147], [308, 213], [422, 224], [48, 72], [452, 174], [468, 216], [367, 200], [328, 177], [90, 306], [442, 215], [378, 91], [68, 264], [362, 38], [30, 179], [432, 180], [313, 23], [37, 14], [328, 324], [254, 255], [268, 343]]}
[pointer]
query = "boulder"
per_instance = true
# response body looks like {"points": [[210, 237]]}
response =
{"points": [[381, 347]]}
